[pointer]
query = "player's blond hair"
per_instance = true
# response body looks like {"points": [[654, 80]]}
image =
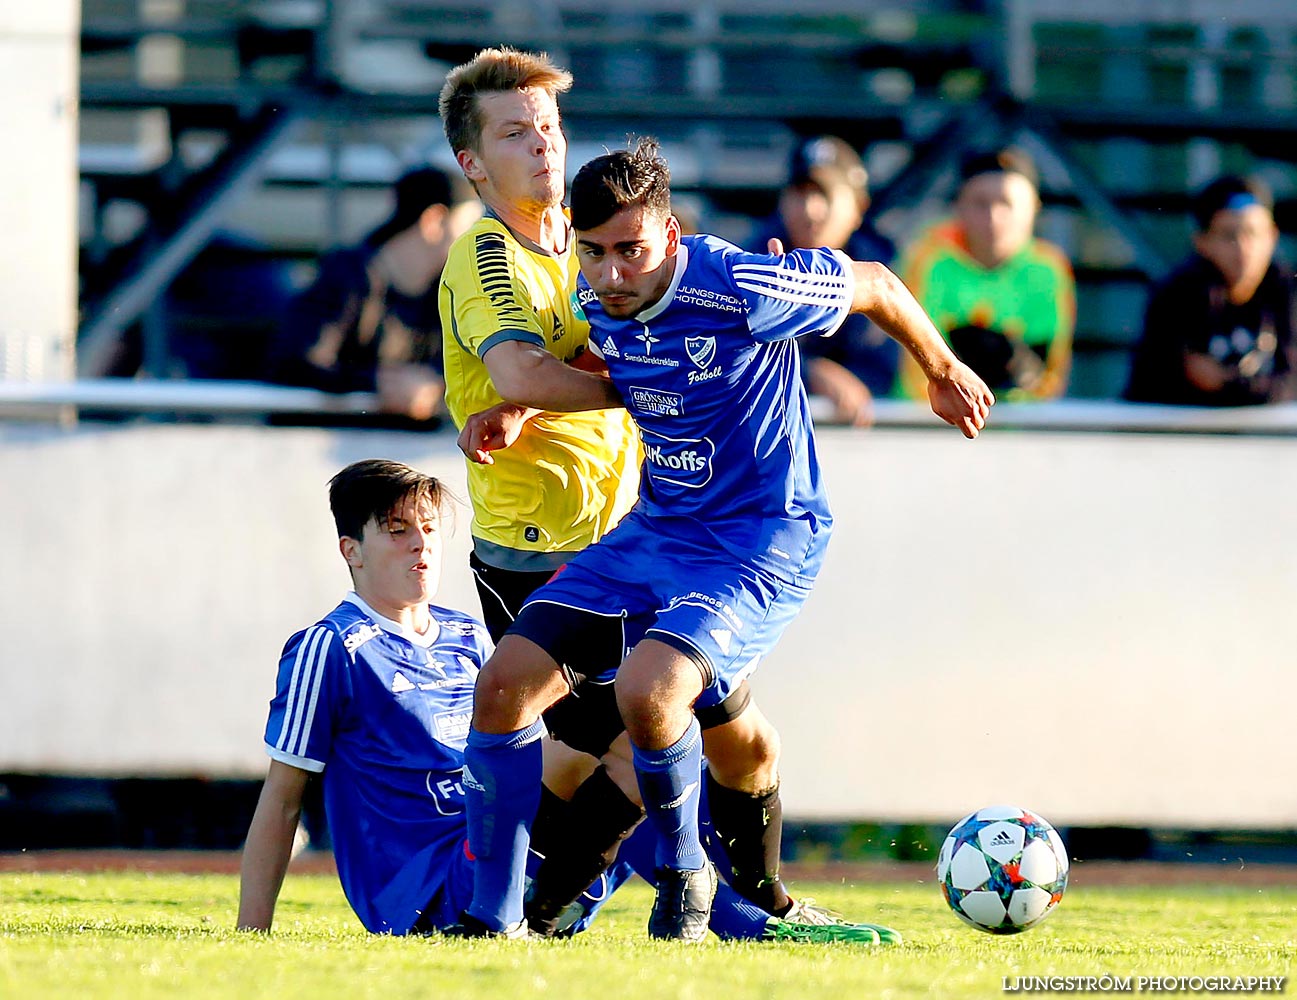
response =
{"points": [[492, 71]]}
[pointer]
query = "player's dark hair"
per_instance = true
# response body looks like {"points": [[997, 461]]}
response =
{"points": [[1230, 192], [492, 71], [614, 181], [372, 489]]}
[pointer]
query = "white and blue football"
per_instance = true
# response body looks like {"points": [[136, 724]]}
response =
{"points": [[1002, 869]]}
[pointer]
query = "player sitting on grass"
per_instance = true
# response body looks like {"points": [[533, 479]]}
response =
{"points": [[378, 696]]}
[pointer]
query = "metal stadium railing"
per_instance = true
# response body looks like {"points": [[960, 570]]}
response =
{"points": [[234, 399]]}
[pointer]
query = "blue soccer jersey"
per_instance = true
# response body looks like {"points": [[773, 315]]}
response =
{"points": [[384, 713], [711, 375]]}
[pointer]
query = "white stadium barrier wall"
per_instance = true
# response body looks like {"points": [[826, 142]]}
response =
{"points": [[1096, 625]]}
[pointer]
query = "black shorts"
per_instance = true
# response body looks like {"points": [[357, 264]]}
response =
{"points": [[502, 593], [587, 719]]}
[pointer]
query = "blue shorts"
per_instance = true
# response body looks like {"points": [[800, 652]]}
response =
{"points": [[666, 583]]}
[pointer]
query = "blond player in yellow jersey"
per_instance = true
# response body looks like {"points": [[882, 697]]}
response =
{"points": [[568, 477], [564, 479]]}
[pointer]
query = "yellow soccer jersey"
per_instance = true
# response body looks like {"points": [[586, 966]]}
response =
{"points": [[569, 477]]}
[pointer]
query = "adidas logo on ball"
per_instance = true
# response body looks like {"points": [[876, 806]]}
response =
{"points": [[1009, 882]]}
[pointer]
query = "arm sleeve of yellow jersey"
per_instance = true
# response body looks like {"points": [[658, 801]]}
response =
{"points": [[488, 299]]}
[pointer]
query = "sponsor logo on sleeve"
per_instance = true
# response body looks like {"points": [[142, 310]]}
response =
{"points": [[361, 635], [655, 402]]}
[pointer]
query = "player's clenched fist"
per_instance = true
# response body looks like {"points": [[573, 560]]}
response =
{"points": [[961, 398], [490, 430]]}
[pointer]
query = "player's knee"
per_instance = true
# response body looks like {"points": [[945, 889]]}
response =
{"points": [[492, 698], [766, 738], [744, 753], [509, 696], [621, 770], [639, 711], [764, 747]]}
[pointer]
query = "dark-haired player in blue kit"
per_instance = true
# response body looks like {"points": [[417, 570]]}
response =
{"points": [[377, 695], [730, 529]]}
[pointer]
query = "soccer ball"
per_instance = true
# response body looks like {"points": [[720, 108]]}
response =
{"points": [[1002, 869]]}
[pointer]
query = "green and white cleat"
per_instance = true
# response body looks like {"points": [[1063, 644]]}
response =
{"points": [[885, 934], [807, 913], [780, 929]]}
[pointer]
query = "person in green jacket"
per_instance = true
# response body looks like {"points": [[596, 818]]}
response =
{"points": [[1004, 299]]}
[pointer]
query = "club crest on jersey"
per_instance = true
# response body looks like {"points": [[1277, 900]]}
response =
{"points": [[701, 350]]}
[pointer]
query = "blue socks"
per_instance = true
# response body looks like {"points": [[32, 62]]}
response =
{"points": [[670, 781], [502, 791]]}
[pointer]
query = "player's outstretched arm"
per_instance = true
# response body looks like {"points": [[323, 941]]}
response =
{"points": [[956, 393], [269, 847], [528, 375]]}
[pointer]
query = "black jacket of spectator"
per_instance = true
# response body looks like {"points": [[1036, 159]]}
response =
{"points": [[1189, 312], [348, 321]]}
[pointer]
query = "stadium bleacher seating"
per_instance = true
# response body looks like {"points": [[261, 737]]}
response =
{"points": [[282, 121]]}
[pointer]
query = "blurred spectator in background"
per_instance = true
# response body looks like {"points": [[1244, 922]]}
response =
{"points": [[216, 318], [369, 323], [1004, 299], [225, 308], [1219, 329], [823, 204]]}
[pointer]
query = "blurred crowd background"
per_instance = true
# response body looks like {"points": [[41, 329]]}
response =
{"points": [[205, 196], [228, 149]]}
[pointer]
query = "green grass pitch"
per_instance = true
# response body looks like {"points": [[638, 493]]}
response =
{"points": [[140, 936]]}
